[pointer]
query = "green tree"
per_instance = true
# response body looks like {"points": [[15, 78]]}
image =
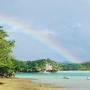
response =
{"points": [[6, 64]]}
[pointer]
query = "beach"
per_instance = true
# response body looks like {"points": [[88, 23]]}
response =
{"points": [[24, 84]]}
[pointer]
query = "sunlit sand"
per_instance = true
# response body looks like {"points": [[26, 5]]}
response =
{"points": [[24, 84]]}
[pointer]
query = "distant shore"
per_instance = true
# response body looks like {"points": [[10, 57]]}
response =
{"points": [[24, 84]]}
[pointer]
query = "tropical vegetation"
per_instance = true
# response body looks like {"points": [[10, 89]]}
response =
{"points": [[6, 64]]}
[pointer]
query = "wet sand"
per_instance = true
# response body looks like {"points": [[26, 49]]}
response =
{"points": [[24, 84]]}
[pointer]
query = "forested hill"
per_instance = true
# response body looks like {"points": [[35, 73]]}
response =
{"points": [[49, 66], [36, 66]]}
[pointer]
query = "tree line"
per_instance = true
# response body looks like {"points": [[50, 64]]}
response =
{"points": [[40, 66]]}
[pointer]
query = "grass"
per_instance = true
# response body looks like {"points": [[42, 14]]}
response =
{"points": [[23, 84]]}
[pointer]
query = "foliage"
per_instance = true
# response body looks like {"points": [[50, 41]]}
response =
{"points": [[5, 54], [35, 66], [70, 66], [85, 66], [40, 65]]}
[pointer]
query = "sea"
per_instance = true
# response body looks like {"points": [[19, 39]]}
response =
{"points": [[71, 80], [59, 74]]}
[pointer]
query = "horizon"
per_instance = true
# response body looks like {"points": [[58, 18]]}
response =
{"points": [[58, 30]]}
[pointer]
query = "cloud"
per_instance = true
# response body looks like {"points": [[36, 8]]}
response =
{"points": [[77, 25], [46, 36], [13, 25]]}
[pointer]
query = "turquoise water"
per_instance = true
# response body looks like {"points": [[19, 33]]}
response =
{"points": [[59, 74], [78, 80]]}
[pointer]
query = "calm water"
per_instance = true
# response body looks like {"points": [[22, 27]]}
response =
{"points": [[54, 75], [77, 79]]}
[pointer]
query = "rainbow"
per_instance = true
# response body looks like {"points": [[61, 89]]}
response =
{"points": [[44, 37]]}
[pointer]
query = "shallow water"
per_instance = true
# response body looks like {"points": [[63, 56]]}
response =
{"points": [[71, 80], [59, 74]]}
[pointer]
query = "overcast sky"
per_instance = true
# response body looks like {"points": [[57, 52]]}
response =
{"points": [[66, 22]]}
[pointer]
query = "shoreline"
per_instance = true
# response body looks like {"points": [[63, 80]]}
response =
{"points": [[34, 84], [24, 84], [65, 80], [68, 84]]}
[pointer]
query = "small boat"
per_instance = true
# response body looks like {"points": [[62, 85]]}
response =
{"points": [[66, 77]]}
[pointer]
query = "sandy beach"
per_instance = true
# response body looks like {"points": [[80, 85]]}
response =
{"points": [[24, 84]]}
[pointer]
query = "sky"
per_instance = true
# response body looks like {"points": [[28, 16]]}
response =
{"points": [[56, 29]]}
